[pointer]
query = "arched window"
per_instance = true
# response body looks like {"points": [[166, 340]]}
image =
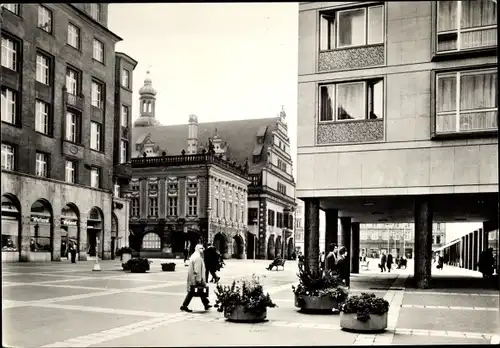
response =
{"points": [[144, 107], [149, 106], [151, 241]]}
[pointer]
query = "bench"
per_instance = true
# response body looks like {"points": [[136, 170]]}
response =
{"points": [[365, 265], [277, 263]]}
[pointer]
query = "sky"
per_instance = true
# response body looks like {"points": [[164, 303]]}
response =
{"points": [[219, 61]]}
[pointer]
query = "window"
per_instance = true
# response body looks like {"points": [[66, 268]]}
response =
{"points": [[223, 204], [42, 117], [135, 207], [281, 188], [352, 101], [42, 161], [14, 8], [123, 151], [465, 25], [230, 210], [216, 207], [73, 36], [125, 78], [95, 11], [95, 136], [45, 19], [193, 206], [8, 156], [438, 239], [95, 177], [153, 206], [279, 220], [253, 214], [42, 69], [72, 127], [98, 51], [9, 105], [353, 27], [97, 96], [193, 186], [9, 53], [72, 81], [466, 101], [125, 115], [270, 217], [172, 206], [151, 241], [282, 165], [70, 171]]}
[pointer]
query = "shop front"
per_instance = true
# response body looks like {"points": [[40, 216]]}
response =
{"points": [[11, 226], [41, 232], [94, 234], [70, 230]]}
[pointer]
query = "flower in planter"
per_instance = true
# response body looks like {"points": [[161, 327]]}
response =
{"points": [[317, 284], [246, 293], [365, 305]]}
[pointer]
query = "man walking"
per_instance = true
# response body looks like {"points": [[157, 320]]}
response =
{"points": [[331, 258], [196, 279], [211, 257], [383, 259], [389, 262]]}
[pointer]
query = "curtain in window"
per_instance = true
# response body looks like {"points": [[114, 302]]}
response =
{"points": [[375, 25], [446, 104], [447, 15], [352, 28], [478, 91], [350, 101], [478, 13], [326, 112]]}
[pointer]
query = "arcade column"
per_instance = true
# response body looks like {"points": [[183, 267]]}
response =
{"points": [[345, 241], [462, 252], [475, 246], [331, 227], [311, 233], [423, 242], [355, 247], [470, 251]]}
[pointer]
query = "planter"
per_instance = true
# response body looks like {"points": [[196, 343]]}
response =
{"points": [[139, 269], [126, 257], [10, 256], [377, 322], [168, 267], [238, 315], [315, 303]]}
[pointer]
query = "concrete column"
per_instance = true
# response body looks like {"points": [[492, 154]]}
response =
{"points": [[25, 238], [479, 243], [56, 238], [355, 247], [466, 260], [311, 234], [475, 246], [423, 242], [331, 230], [462, 252], [82, 253], [484, 245], [345, 241], [471, 249]]}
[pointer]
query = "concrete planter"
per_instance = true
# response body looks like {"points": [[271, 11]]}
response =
{"points": [[10, 256], [238, 315], [316, 303], [126, 257], [376, 322], [40, 256], [168, 267]]}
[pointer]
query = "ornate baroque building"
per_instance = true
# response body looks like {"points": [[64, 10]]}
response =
{"points": [[257, 213], [63, 89]]}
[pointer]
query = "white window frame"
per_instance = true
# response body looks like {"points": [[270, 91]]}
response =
{"points": [[98, 50], [42, 160], [123, 151], [172, 208], [73, 36], [95, 11], [459, 30], [192, 206], [71, 126], [42, 117], [365, 37], [72, 81], [14, 8], [125, 78], [95, 177], [70, 171], [457, 112], [45, 17], [96, 94], [95, 135], [135, 207], [123, 117], [153, 208], [9, 53], [8, 156], [43, 69], [9, 105]]}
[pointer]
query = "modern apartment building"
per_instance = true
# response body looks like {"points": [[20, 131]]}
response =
{"points": [[261, 145], [60, 80], [397, 118]]}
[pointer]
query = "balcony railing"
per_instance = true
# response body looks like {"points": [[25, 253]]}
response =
{"points": [[172, 161], [74, 101]]}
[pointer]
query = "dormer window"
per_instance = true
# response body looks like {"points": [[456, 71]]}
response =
{"points": [[256, 158]]}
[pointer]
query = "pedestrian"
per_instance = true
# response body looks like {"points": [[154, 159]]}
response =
{"points": [[383, 260], [440, 262], [331, 259], [343, 265], [301, 261], [211, 259], [186, 252], [389, 262], [322, 261], [72, 250], [486, 263], [196, 280]]}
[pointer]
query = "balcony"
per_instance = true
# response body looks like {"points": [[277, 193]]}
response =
{"points": [[74, 101], [123, 173]]}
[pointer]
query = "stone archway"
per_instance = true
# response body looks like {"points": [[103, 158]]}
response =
{"points": [[11, 228], [41, 231], [70, 228], [220, 243], [279, 247], [238, 247], [290, 249], [270, 248], [95, 233]]}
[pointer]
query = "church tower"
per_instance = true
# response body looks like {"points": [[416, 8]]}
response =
{"points": [[147, 104], [192, 135]]}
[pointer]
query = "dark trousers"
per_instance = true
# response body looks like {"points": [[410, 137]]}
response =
{"points": [[212, 272], [389, 265], [382, 267], [73, 256], [186, 255], [189, 297]]}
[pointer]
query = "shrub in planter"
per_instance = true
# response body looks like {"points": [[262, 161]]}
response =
{"points": [[364, 313], [125, 253], [137, 265], [168, 266], [243, 301], [318, 292]]}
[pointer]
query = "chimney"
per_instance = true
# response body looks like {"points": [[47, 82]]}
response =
{"points": [[192, 139]]}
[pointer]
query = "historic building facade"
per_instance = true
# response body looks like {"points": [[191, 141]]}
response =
{"points": [[59, 79], [261, 144], [397, 118]]}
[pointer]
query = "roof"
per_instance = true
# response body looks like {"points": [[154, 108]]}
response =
{"points": [[92, 20], [126, 56], [240, 136]]}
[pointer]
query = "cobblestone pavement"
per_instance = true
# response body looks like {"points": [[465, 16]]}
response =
{"points": [[65, 305]]}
